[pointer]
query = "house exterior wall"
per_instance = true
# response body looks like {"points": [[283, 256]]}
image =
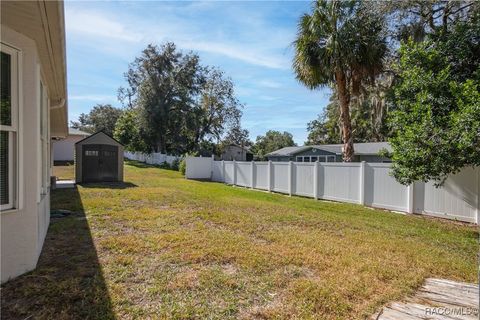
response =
{"points": [[372, 158], [23, 228], [234, 153], [97, 139], [63, 150], [338, 158]]}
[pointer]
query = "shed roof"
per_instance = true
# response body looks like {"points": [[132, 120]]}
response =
{"points": [[93, 136], [367, 148]]}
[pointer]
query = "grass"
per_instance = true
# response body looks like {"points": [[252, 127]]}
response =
{"points": [[161, 246], [64, 172]]}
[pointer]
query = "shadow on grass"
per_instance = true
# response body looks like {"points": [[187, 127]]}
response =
{"points": [[109, 185], [68, 282]]}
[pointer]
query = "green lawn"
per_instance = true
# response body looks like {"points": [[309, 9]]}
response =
{"points": [[161, 246]]}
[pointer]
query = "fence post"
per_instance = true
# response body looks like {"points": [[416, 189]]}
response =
{"points": [[223, 171], [252, 174], [315, 179], [362, 182], [270, 175], [410, 197], [234, 172], [211, 167], [478, 196], [290, 177]]}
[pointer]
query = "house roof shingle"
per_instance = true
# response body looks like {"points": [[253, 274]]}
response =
{"points": [[367, 148]]}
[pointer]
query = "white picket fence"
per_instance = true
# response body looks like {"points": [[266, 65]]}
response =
{"points": [[152, 158], [363, 183]]}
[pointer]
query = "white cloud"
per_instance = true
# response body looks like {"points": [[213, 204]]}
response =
{"points": [[239, 52], [99, 26], [93, 97], [269, 83], [96, 25]]}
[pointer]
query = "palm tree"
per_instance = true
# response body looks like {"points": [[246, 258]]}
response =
{"points": [[340, 43]]}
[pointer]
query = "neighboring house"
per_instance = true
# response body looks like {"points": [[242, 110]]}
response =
{"points": [[368, 152], [63, 149], [237, 153], [34, 110]]}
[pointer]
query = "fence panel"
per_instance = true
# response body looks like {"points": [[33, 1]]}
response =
{"points": [[368, 183], [458, 198], [244, 174], [229, 172], [198, 168], [261, 175], [382, 190], [280, 177], [340, 182], [152, 158], [303, 179], [217, 171]]}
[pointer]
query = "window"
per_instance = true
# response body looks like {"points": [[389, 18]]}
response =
{"points": [[314, 159], [8, 126], [91, 153], [330, 158], [299, 159]]}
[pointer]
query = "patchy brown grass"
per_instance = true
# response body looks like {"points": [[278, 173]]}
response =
{"points": [[166, 247]]}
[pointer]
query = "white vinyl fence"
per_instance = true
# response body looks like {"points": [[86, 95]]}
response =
{"points": [[152, 158], [363, 183]]}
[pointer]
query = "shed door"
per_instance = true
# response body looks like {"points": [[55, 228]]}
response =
{"points": [[99, 163]]}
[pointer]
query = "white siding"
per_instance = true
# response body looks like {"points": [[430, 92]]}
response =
{"points": [[63, 150]]}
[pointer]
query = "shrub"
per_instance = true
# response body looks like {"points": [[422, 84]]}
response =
{"points": [[183, 166], [175, 164], [165, 165]]}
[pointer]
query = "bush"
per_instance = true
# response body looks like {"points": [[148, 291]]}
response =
{"points": [[165, 165], [183, 166], [175, 164]]}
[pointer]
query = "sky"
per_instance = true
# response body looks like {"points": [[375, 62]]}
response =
{"points": [[250, 41]]}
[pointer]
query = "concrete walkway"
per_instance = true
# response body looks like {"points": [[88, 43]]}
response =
{"points": [[436, 299]]}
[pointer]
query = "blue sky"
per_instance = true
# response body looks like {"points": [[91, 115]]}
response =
{"points": [[250, 41]]}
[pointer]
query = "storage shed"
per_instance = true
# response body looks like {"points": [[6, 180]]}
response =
{"points": [[98, 158]]}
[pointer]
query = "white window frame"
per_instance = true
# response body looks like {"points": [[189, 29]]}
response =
{"points": [[12, 129], [44, 136]]}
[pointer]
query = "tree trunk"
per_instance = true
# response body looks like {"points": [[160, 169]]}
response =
{"points": [[344, 100]]}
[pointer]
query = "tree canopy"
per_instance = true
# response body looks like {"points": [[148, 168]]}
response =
{"points": [[271, 141], [102, 117], [180, 105], [436, 127], [342, 44]]}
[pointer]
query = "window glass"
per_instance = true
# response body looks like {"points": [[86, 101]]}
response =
{"points": [[314, 159], [91, 153], [321, 159], [306, 159], [5, 90], [4, 174]]}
